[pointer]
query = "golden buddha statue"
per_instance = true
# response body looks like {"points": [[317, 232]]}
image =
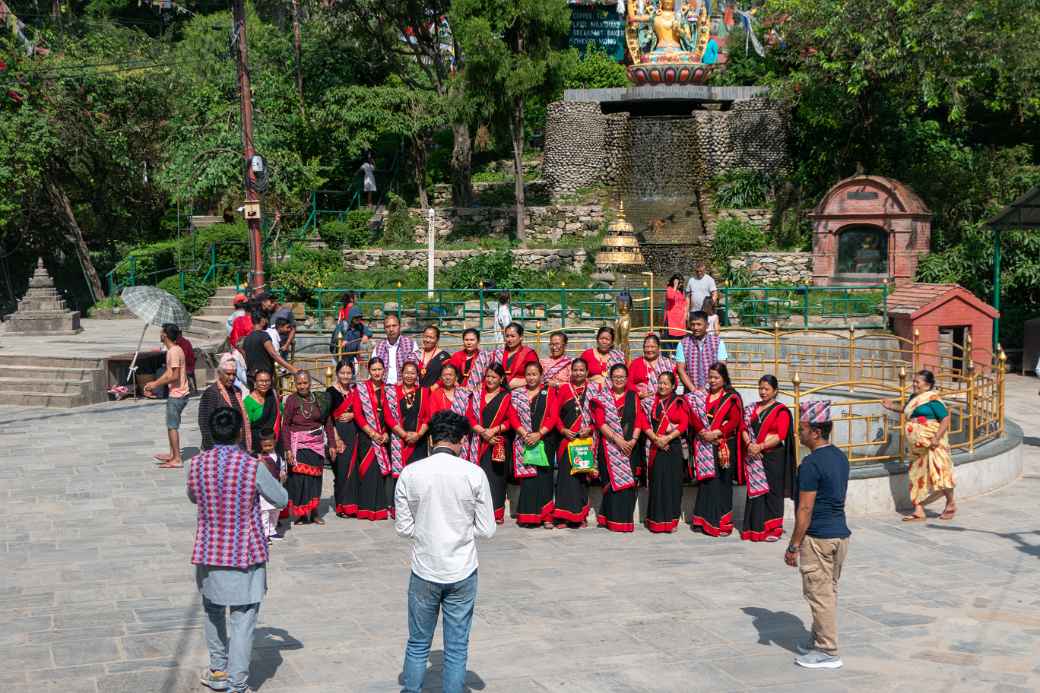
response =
{"points": [[670, 32], [623, 323]]}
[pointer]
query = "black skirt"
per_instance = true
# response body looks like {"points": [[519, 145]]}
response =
{"points": [[367, 483], [572, 491], [496, 475], [617, 507], [713, 511], [304, 489], [344, 495], [535, 504], [664, 482], [764, 515]]}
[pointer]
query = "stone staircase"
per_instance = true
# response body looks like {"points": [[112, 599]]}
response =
{"points": [[210, 323], [48, 381]]}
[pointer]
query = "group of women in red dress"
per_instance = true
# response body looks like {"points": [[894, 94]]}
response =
{"points": [[528, 413]]}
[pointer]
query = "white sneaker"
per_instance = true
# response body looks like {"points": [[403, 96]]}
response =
{"points": [[814, 659]]}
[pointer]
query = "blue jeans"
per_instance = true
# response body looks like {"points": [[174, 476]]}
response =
{"points": [[425, 599], [232, 654]]}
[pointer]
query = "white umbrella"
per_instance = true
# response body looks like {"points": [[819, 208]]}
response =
{"points": [[155, 307]]}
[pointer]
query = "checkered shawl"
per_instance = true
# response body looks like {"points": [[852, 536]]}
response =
{"points": [[703, 453], [479, 445], [614, 357], [662, 428], [365, 395], [229, 533], [757, 484], [584, 419], [406, 351], [522, 405], [699, 354], [476, 374], [460, 402], [663, 364], [558, 366], [619, 466], [396, 444]]}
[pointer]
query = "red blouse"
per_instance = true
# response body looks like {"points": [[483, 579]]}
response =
{"points": [[515, 363], [639, 374], [777, 422], [549, 417], [600, 416], [732, 417]]}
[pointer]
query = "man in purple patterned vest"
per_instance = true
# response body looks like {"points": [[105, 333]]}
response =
{"points": [[697, 351], [396, 350], [230, 554]]}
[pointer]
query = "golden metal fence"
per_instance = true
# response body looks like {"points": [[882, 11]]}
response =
{"points": [[856, 370]]}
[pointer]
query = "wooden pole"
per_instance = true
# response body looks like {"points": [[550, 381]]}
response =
{"points": [[245, 93]]}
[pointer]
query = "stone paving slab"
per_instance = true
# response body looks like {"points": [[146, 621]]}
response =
{"points": [[97, 595]]}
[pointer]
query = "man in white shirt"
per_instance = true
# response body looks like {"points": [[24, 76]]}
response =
{"points": [[443, 504], [396, 350], [699, 287]]}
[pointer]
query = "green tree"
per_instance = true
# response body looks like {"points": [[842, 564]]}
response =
{"points": [[510, 57]]}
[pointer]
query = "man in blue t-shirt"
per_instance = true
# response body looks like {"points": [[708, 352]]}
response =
{"points": [[820, 540]]}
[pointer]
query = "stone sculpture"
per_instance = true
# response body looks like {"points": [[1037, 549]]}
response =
{"points": [[42, 310]]}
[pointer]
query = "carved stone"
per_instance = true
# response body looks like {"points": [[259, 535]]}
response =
{"points": [[42, 310]]}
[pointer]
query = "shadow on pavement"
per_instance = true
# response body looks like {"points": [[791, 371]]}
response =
{"points": [[1017, 537], [778, 628], [268, 644], [435, 672]]}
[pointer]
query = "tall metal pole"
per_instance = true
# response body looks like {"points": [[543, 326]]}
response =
{"points": [[996, 286], [252, 206]]}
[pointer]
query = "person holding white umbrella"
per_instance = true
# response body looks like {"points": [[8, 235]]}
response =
{"points": [[176, 376]]}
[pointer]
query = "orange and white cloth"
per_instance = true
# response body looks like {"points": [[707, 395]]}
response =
{"points": [[931, 470]]}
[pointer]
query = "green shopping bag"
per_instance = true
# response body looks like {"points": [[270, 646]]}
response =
{"points": [[534, 455]]}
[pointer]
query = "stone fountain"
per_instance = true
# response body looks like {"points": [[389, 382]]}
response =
{"points": [[42, 310]]}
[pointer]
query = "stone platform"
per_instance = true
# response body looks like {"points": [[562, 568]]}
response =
{"points": [[97, 595]]}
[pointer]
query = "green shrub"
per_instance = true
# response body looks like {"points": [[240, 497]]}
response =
{"points": [[493, 269], [353, 232], [399, 224], [739, 189], [594, 70], [733, 237], [195, 293], [304, 270], [150, 262]]}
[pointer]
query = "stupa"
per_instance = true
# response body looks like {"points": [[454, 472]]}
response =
{"points": [[42, 310], [620, 249]]}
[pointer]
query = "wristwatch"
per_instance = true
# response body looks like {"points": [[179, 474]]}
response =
{"points": [[792, 548]]}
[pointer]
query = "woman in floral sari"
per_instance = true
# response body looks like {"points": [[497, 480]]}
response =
{"points": [[931, 467]]}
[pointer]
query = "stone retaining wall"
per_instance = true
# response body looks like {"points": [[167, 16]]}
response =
{"points": [[440, 195], [544, 224], [567, 259], [773, 268]]}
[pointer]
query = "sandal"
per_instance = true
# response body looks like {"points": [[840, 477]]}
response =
{"points": [[162, 456], [171, 465], [318, 521], [914, 518], [948, 513]]}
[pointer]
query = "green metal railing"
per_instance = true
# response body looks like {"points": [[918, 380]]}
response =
{"points": [[813, 306], [118, 278]]}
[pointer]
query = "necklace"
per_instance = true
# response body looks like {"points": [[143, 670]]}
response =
{"points": [[307, 405], [409, 399]]}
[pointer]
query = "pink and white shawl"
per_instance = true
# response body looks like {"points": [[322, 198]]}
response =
{"points": [[619, 466], [522, 405], [757, 484], [369, 410], [555, 369], [460, 401], [396, 444], [703, 453], [698, 355]]}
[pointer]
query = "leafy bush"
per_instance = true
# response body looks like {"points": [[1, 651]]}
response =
{"points": [[740, 189], [493, 269], [353, 232], [149, 262], [399, 224], [733, 237], [594, 70], [304, 270], [195, 293]]}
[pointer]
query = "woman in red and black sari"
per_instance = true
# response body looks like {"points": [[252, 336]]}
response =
{"points": [[489, 417], [470, 361], [451, 395], [371, 461], [644, 371], [341, 397], [307, 432], [769, 436], [603, 356], [718, 452], [667, 423], [620, 420], [533, 417], [574, 421], [406, 412], [514, 356]]}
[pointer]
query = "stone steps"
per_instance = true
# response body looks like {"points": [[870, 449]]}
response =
{"points": [[42, 381]]}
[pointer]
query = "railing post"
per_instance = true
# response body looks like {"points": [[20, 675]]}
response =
{"points": [[916, 353], [1001, 373], [967, 351], [805, 307], [321, 308], [563, 305], [902, 414], [133, 270], [852, 357], [776, 348], [797, 380], [971, 407], [480, 310], [180, 280], [399, 301], [538, 335], [328, 376], [213, 260]]}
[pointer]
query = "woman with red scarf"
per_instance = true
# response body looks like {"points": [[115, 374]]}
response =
{"points": [[489, 416], [644, 371], [574, 421], [341, 396], [533, 418], [451, 395], [371, 461], [667, 423], [306, 432], [718, 457], [769, 436], [406, 412], [470, 361], [603, 356], [621, 422], [514, 356]]}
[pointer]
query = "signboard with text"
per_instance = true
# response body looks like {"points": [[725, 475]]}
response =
{"points": [[601, 26]]}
